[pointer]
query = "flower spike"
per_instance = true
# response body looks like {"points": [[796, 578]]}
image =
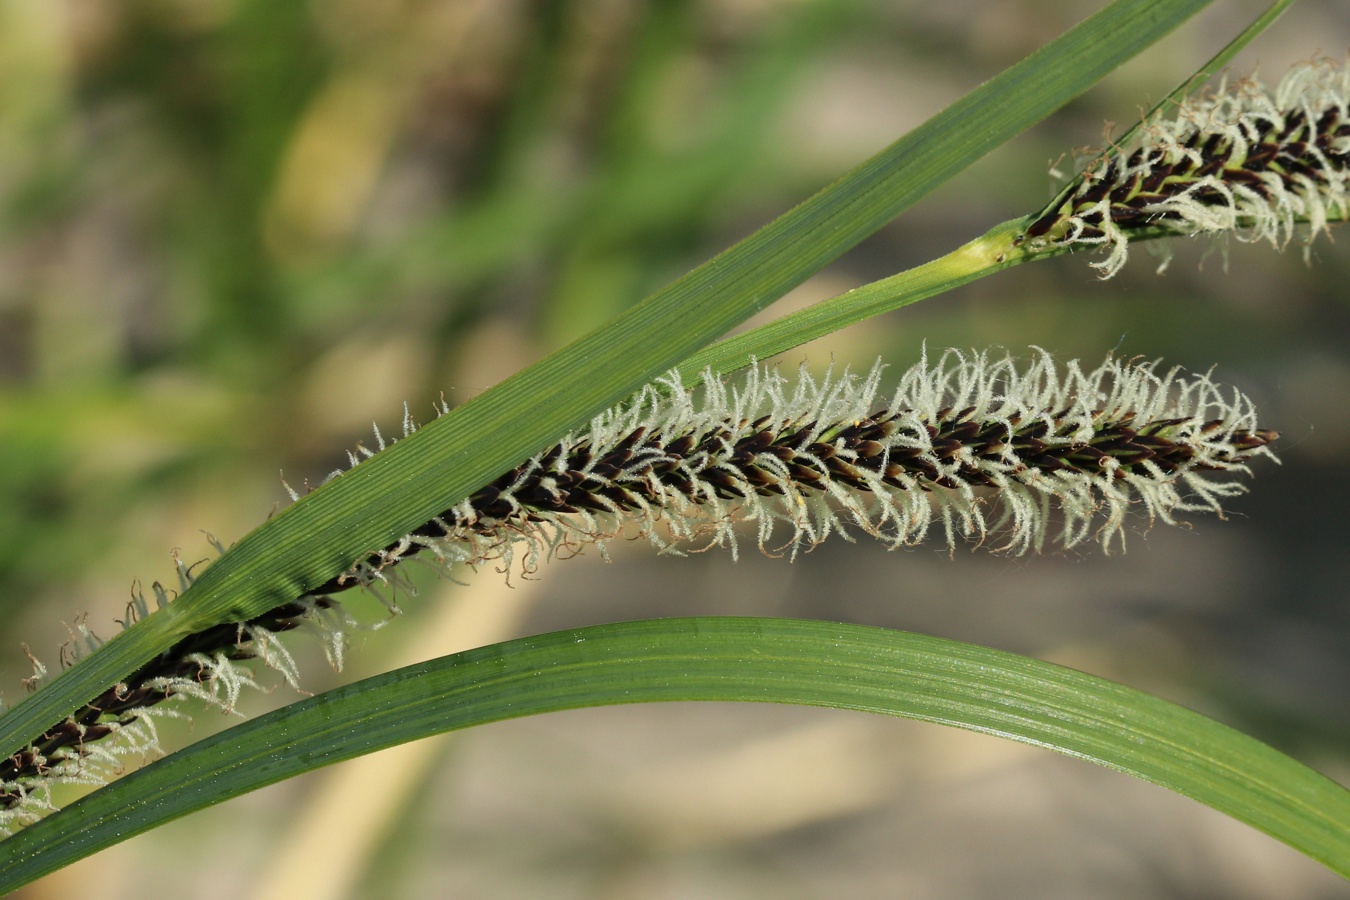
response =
{"points": [[973, 446], [1259, 164]]}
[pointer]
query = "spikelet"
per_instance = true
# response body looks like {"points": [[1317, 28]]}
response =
{"points": [[1245, 161], [94, 744], [972, 447]]}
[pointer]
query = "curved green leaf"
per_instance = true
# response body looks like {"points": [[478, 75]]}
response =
{"points": [[323, 534], [765, 660]]}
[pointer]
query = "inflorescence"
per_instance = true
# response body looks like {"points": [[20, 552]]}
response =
{"points": [[972, 446], [1260, 165], [976, 447], [203, 667]]}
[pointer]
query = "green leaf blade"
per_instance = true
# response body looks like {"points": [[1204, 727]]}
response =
{"points": [[723, 659]]}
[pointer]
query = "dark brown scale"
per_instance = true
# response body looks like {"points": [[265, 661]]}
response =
{"points": [[973, 476], [725, 482], [822, 451], [1086, 455], [988, 449], [1154, 443], [1144, 200], [1263, 129], [681, 446], [606, 467], [1293, 124], [863, 436], [1129, 188], [594, 500], [1210, 145], [1133, 219], [711, 443], [1042, 226], [1214, 165], [563, 482], [904, 454], [1131, 456], [535, 494], [759, 478], [1327, 120], [1095, 192], [1260, 159], [806, 476], [95, 732], [500, 509], [922, 468], [606, 470], [870, 448], [680, 483], [755, 443], [1249, 179], [845, 472], [847, 433], [1032, 445], [551, 457], [1296, 150], [946, 449], [1047, 462], [886, 427], [1299, 167], [962, 431], [24, 759], [892, 476], [1252, 440]]}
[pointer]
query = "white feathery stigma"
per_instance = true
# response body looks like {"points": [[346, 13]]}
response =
{"points": [[973, 446], [1259, 164]]}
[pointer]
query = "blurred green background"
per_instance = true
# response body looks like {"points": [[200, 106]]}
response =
{"points": [[233, 233]]}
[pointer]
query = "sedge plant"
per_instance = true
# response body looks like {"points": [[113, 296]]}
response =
{"points": [[647, 428]]}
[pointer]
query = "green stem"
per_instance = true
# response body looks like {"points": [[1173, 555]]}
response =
{"points": [[993, 251]]}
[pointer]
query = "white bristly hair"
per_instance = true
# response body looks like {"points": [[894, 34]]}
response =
{"points": [[1011, 495], [1306, 117]]}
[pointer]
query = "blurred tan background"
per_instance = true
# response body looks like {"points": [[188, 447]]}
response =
{"points": [[235, 232]]}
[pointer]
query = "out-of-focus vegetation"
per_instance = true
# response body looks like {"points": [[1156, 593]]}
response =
{"points": [[233, 232]]}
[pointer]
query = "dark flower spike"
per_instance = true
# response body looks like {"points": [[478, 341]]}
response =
{"points": [[972, 446], [1261, 165], [205, 667]]}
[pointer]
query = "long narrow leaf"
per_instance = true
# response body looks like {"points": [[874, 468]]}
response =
{"points": [[766, 660]]}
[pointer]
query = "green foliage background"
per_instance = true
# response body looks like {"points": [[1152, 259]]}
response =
{"points": [[234, 233]]}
